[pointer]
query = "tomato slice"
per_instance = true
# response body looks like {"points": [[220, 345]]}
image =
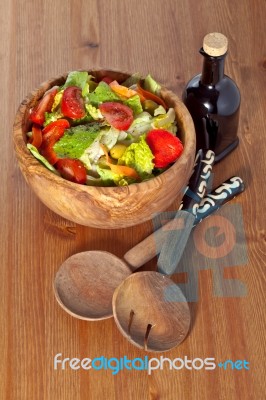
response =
{"points": [[50, 135], [49, 153], [60, 122], [107, 79], [36, 139], [72, 105], [53, 135], [117, 115], [72, 170], [45, 105], [165, 147]]}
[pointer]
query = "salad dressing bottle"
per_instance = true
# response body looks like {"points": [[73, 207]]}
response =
{"points": [[213, 100]]}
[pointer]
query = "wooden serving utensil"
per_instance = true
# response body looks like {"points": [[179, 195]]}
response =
{"points": [[149, 309]]}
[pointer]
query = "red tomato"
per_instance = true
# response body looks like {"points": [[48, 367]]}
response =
{"points": [[165, 147], [72, 105], [44, 105], [117, 115], [36, 138], [60, 122], [53, 135], [50, 135], [107, 79], [72, 170], [49, 153]]}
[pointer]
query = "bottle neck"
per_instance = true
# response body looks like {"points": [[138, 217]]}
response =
{"points": [[213, 69]]}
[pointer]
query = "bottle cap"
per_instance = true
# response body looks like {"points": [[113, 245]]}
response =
{"points": [[215, 44]]}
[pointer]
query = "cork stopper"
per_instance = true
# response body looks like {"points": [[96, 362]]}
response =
{"points": [[215, 44]]}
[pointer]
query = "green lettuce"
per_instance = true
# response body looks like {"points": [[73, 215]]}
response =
{"points": [[151, 85], [165, 121], [34, 151], [140, 125], [91, 154], [109, 178], [102, 93], [139, 156], [94, 112], [76, 140], [135, 104], [76, 78], [52, 117], [132, 80], [57, 100], [108, 137]]}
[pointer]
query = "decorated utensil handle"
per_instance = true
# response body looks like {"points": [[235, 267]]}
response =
{"points": [[151, 246], [198, 181], [219, 196], [176, 239]]}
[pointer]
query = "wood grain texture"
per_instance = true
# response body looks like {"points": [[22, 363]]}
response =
{"points": [[42, 39]]}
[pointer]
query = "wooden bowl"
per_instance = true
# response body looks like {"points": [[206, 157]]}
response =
{"points": [[105, 207]]}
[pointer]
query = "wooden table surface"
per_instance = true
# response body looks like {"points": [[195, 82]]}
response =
{"points": [[41, 39]]}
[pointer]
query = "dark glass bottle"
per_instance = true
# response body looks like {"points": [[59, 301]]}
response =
{"points": [[213, 100]]}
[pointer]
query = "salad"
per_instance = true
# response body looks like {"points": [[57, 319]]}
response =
{"points": [[104, 133]]}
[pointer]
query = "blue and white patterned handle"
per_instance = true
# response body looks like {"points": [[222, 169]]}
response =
{"points": [[221, 195], [198, 182], [176, 240]]}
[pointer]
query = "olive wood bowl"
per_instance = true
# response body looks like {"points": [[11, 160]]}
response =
{"points": [[105, 207]]}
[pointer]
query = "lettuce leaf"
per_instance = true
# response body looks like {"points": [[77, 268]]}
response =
{"points": [[76, 78], [91, 154], [34, 151], [140, 125], [135, 104], [139, 156], [51, 117], [57, 100], [94, 112], [102, 93], [132, 80], [165, 121], [76, 140], [151, 85], [109, 178], [109, 137]]}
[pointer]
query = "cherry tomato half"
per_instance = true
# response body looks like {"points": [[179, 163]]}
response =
{"points": [[44, 105], [48, 152], [117, 115], [72, 170], [50, 135], [165, 147], [72, 105], [107, 79], [60, 122]]}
